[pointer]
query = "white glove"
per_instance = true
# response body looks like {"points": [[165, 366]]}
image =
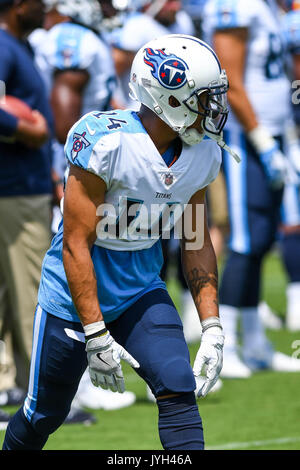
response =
{"points": [[274, 162], [104, 355], [209, 356]]}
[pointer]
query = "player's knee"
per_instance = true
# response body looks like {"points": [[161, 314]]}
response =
{"points": [[48, 424], [177, 377], [261, 247]]}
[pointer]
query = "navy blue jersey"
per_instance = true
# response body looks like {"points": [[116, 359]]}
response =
{"points": [[24, 171]]}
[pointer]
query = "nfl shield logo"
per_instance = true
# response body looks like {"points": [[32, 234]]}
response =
{"points": [[169, 179]]}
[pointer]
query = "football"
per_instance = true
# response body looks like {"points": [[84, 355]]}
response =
{"points": [[17, 107]]}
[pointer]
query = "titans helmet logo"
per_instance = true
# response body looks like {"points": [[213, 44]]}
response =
{"points": [[168, 69]]}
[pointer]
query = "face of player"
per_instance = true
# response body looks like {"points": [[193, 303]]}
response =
{"points": [[197, 124], [31, 15], [167, 15], [108, 9]]}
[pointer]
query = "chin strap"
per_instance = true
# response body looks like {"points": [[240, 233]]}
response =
{"points": [[193, 137], [223, 145], [220, 141]]}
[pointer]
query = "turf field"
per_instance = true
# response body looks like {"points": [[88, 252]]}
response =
{"points": [[262, 412]]}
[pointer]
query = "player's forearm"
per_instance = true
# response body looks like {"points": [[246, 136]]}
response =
{"points": [[82, 282], [66, 120], [66, 105], [201, 274], [242, 108]]}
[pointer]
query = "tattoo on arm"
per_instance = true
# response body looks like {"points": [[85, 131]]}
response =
{"points": [[197, 279]]}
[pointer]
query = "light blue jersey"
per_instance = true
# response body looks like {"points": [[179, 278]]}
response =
{"points": [[291, 30], [69, 46], [264, 73], [116, 147], [122, 277]]}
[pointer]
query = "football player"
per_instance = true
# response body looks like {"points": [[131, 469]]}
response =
{"points": [[246, 36], [101, 298], [290, 229]]}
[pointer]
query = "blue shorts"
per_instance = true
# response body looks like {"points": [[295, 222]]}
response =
{"points": [[150, 330], [290, 210], [253, 207]]}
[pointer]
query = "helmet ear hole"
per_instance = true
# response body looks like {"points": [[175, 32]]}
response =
{"points": [[173, 102]]}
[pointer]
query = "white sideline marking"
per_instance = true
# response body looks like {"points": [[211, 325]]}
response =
{"points": [[241, 445]]}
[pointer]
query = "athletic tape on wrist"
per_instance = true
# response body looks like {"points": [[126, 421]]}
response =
{"points": [[94, 329], [261, 139], [210, 322]]}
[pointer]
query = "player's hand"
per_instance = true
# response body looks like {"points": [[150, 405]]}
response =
{"points": [[274, 163], [104, 355], [275, 166], [33, 135], [209, 360]]}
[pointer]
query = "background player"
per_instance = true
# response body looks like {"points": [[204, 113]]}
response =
{"points": [[256, 131], [290, 228], [25, 194]]}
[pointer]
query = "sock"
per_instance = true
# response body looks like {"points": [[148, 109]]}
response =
{"points": [[229, 321], [293, 305], [255, 341], [179, 424], [20, 434]]}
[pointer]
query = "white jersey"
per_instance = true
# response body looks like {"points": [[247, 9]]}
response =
{"points": [[265, 81], [69, 46], [116, 147], [140, 28]]}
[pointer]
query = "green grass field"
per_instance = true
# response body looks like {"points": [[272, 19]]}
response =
{"points": [[259, 413]]}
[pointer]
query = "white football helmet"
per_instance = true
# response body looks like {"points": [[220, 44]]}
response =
{"points": [[86, 12], [185, 68]]}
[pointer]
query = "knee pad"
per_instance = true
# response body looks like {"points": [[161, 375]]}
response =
{"points": [[176, 376]]}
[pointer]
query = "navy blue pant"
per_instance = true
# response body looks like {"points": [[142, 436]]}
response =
{"points": [[151, 331], [254, 215]]}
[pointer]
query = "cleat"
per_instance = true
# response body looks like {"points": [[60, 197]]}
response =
{"points": [[268, 317], [12, 397], [218, 385], [4, 419], [97, 398], [293, 321], [284, 363], [199, 383], [77, 415], [293, 306], [272, 360], [234, 367]]}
